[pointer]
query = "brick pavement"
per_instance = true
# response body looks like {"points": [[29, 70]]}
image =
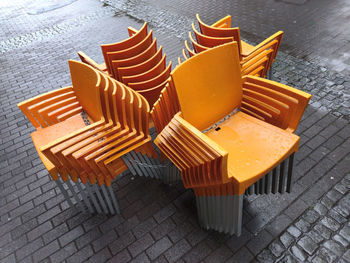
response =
{"points": [[158, 222]]}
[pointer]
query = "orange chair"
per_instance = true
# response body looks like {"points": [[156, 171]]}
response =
{"points": [[136, 62], [229, 156], [222, 29]]}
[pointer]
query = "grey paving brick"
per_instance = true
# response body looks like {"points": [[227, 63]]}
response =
{"points": [[177, 250], [63, 253], [140, 245], [144, 227], [286, 239], [142, 258], [71, 235], [164, 213], [298, 253], [307, 244], [158, 248], [330, 223], [334, 247], [49, 214], [180, 232], [21, 209], [29, 248], [104, 241], [39, 231], [88, 237], [265, 256], [279, 224], [103, 256], [242, 255], [197, 253], [259, 242], [341, 240], [9, 259], [163, 228], [197, 236], [21, 229], [111, 223], [45, 251], [81, 256], [221, 254], [55, 233], [122, 242]]}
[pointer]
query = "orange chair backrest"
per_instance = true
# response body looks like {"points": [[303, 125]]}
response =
{"points": [[125, 44], [86, 83], [209, 85], [208, 41], [130, 52], [196, 46], [120, 65], [213, 31], [149, 74], [141, 67]]}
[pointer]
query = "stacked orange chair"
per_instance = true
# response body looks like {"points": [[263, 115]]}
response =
{"points": [[223, 146], [255, 60], [135, 62], [84, 133]]}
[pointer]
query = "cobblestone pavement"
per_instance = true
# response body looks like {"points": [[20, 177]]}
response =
{"points": [[159, 222]]}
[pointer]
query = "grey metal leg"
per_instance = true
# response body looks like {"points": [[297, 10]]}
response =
{"points": [[290, 173], [270, 73], [93, 198], [114, 199], [282, 178], [85, 198], [102, 202], [221, 213], [73, 192], [109, 203], [129, 164], [134, 158], [274, 181], [64, 192]]}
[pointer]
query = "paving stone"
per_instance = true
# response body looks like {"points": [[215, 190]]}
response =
{"points": [[286, 239], [346, 255], [197, 253], [334, 195], [220, 254], [177, 250], [142, 258], [288, 259], [330, 223], [45, 251], [321, 209], [71, 235], [345, 232], [81, 256], [104, 241], [140, 245], [341, 240], [158, 248], [323, 231], [316, 237], [276, 248], [298, 253], [29, 248], [259, 242], [122, 242], [336, 216], [307, 244], [88, 238], [242, 255], [55, 233], [302, 225], [334, 247], [294, 231], [311, 216], [325, 254], [103, 255], [317, 259], [63, 253], [39, 231]]}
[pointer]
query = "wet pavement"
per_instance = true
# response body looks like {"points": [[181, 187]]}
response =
{"points": [[159, 222]]}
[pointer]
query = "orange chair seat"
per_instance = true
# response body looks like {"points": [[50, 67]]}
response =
{"points": [[254, 147], [48, 134], [246, 48]]}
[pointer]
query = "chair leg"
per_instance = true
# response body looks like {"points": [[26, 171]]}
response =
{"points": [[221, 213], [64, 192], [270, 73], [84, 197]]}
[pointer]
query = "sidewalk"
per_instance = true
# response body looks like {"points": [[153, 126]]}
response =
{"points": [[158, 222]]}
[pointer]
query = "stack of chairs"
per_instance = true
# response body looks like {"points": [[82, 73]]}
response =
{"points": [[255, 60], [136, 62], [225, 147], [85, 133]]}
